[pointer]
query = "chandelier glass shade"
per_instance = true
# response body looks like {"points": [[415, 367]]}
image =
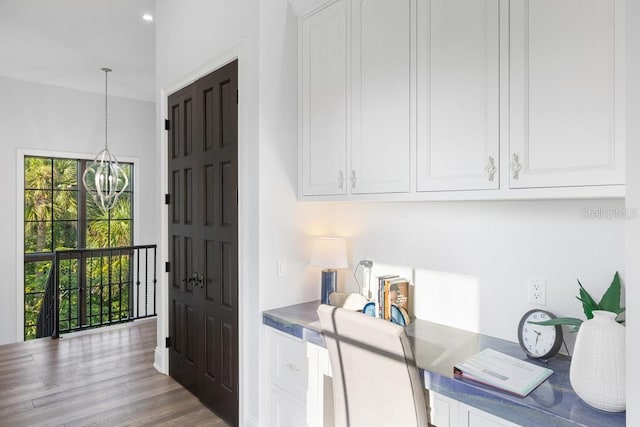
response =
{"points": [[103, 178]]}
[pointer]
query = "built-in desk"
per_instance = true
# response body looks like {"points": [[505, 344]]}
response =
{"points": [[438, 347]]}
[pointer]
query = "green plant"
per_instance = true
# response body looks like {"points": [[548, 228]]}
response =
{"points": [[610, 302]]}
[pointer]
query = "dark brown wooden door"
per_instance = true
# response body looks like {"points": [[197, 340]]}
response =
{"points": [[203, 239]]}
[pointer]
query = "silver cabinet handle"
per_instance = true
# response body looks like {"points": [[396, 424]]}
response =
{"points": [[340, 180], [491, 168], [293, 367], [353, 179], [515, 166]]}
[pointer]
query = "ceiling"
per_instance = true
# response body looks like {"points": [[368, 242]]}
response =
{"points": [[66, 43]]}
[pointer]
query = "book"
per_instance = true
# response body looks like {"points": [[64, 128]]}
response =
{"points": [[380, 299], [400, 286], [503, 372], [396, 292]]}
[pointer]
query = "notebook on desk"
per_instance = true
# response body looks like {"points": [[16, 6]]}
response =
{"points": [[501, 371]]}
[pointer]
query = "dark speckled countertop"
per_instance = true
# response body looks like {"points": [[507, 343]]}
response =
{"points": [[437, 348]]}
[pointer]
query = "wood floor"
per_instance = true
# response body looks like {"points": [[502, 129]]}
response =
{"points": [[94, 379]]}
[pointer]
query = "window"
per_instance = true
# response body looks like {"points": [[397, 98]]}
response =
{"points": [[59, 214]]}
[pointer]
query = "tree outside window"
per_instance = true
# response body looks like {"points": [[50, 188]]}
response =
{"points": [[58, 215]]}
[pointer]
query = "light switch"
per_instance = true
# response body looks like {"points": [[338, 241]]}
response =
{"points": [[282, 267]]}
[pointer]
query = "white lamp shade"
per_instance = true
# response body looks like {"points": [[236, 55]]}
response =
{"points": [[329, 252]]}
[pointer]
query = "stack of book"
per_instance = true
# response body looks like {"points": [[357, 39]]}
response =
{"points": [[393, 298]]}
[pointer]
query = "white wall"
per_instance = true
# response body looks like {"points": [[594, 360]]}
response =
{"points": [[502, 244], [633, 202], [286, 225], [40, 117]]}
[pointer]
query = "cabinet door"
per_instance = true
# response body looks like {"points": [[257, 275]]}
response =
{"points": [[381, 96], [323, 57], [566, 93], [444, 411], [286, 411], [458, 95]]}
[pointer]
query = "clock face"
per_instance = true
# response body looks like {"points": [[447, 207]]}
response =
{"points": [[537, 340]]}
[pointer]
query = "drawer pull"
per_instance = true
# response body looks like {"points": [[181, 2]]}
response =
{"points": [[293, 367]]}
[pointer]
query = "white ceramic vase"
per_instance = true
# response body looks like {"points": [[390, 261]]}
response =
{"points": [[597, 371]]}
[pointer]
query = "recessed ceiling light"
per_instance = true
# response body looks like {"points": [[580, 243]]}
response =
{"points": [[147, 17]]}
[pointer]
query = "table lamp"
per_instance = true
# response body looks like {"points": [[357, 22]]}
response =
{"points": [[329, 253]]}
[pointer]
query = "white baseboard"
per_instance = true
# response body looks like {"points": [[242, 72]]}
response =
{"points": [[251, 421], [159, 362]]}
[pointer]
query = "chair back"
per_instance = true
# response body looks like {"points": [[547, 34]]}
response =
{"points": [[375, 378]]}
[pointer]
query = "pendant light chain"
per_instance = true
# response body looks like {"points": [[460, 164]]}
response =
{"points": [[106, 110]]}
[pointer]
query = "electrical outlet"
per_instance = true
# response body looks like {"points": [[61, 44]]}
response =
{"points": [[537, 291]]}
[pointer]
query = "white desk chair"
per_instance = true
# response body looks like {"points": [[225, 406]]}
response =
{"points": [[375, 379]]}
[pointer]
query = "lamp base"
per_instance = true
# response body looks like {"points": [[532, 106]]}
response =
{"points": [[329, 283]]}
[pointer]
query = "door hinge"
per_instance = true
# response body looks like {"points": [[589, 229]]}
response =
{"points": [[167, 199], [167, 267], [167, 124], [237, 96], [167, 342]]}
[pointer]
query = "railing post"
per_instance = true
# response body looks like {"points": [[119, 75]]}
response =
{"points": [[82, 290], [155, 279], [131, 278], [56, 300]]}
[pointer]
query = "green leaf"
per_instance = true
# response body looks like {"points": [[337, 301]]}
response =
{"points": [[611, 299], [571, 321], [588, 303]]}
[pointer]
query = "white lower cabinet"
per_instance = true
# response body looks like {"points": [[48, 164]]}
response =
{"points": [[447, 412], [443, 411], [285, 410], [288, 380]]}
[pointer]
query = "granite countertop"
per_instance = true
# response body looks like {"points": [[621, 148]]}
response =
{"points": [[438, 347]]}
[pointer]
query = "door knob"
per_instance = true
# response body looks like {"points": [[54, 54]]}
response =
{"points": [[198, 280]]}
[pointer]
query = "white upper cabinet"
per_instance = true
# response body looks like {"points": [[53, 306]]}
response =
{"points": [[458, 95], [381, 96], [461, 99], [566, 93], [323, 101]]}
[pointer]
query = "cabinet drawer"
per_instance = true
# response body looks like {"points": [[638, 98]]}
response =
{"points": [[289, 364]]}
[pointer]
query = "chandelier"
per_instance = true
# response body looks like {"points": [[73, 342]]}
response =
{"points": [[104, 179]]}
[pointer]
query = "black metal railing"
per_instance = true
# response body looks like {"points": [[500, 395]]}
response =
{"points": [[89, 288]]}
